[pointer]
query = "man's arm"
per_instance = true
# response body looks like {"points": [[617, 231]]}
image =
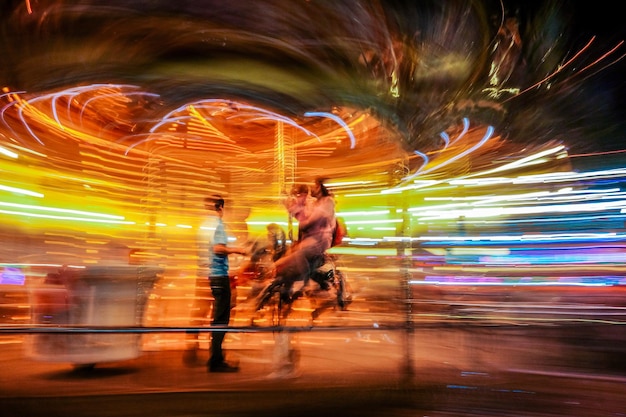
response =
{"points": [[221, 249], [220, 240]]}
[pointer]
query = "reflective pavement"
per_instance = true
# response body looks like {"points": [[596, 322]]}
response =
{"points": [[451, 371]]}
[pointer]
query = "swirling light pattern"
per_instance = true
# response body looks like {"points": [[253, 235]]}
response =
{"points": [[438, 127]]}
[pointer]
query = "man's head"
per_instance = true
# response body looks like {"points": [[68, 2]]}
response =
{"points": [[214, 202]]}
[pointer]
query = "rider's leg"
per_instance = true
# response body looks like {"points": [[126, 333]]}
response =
{"points": [[288, 270], [266, 294], [291, 268]]}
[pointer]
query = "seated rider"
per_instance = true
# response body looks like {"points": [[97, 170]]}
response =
{"points": [[316, 220]]}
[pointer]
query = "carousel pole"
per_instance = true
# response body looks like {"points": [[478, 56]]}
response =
{"points": [[280, 157], [284, 364]]}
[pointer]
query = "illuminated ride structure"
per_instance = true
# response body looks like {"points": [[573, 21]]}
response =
{"points": [[408, 133], [94, 177]]}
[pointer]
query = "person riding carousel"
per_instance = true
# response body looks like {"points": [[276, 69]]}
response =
{"points": [[316, 222]]}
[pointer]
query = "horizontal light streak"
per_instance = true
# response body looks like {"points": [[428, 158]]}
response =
{"points": [[37, 265], [516, 271], [80, 219], [20, 191], [351, 222], [581, 237], [547, 178], [541, 196], [59, 210], [560, 195], [508, 211], [415, 186], [332, 185], [358, 195], [347, 250], [573, 259], [6, 152], [569, 219], [416, 210], [522, 162], [434, 281], [362, 213]]}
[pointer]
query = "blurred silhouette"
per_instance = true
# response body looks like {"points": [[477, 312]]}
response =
{"points": [[316, 220], [259, 267], [307, 258], [277, 241], [296, 205], [213, 256]]}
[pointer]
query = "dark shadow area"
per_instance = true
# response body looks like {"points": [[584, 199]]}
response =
{"points": [[98, 371]]}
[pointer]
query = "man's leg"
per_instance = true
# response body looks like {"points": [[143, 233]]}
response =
{"points": [[220, 287], [199, 312]]}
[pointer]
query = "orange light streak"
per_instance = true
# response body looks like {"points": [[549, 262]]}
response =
{"points": [[558, 70]]}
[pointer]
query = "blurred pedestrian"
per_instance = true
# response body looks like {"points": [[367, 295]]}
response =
{"points": [[213, 258]]}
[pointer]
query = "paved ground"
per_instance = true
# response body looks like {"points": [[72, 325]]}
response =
{"points": [[336, 373]]}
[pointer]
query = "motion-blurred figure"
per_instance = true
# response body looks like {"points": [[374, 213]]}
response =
{"points": [[258, 268], [277, 241], [213, 255], [296, 205], [316, 222]]}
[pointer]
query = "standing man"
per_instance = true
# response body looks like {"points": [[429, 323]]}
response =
{"points": [[213, 255]]}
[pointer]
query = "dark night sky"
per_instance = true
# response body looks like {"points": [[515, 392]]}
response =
{"points": [[601, 18]]}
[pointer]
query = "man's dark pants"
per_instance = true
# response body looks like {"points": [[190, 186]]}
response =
{"points": [[220, 288]]}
